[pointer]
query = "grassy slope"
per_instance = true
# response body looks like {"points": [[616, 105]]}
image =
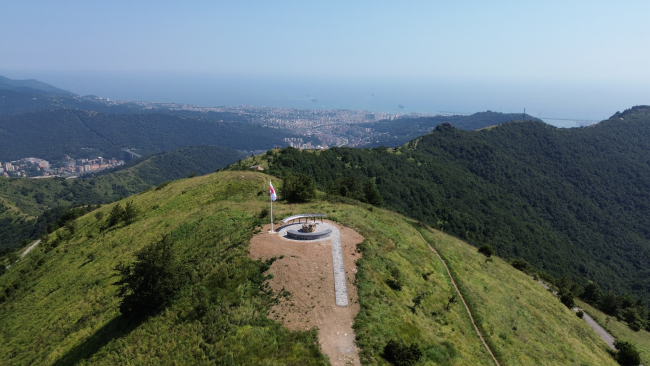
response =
{"points": [[620, 330], [522, 322], [64, 310], [23, 195]]}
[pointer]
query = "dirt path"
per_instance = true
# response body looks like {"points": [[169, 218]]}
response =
{"points": [[608, 338], [305, 270], [29, 249], [480, 335]]}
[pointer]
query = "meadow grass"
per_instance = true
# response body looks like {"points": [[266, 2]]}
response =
{"points": [[620, 330], [60, 306], [523, 323]]}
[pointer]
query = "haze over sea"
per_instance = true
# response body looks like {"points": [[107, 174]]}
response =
{"points": [[572, 102]]}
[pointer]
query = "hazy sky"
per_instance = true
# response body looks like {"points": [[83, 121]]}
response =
{"points": [[567, 42]]}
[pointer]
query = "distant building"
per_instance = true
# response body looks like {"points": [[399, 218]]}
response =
{"points": [[257, 167]]}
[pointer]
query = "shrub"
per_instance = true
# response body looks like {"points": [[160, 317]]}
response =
{"points": [[580, 314], [163, 185], [627, 354], [567, 299], [522, 265], [99, 215], [151, 282], [401, 355], [394, 281], [264, 213], [71, 226], [486, 250]]}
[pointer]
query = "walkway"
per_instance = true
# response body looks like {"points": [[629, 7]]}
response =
{"points": [[340, 290]]}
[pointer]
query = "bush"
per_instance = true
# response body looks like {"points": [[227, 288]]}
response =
{"points": [[522, 265], [567, 299], [394, 281], [580, 314], [163, 185], [486, 250], [264, 213], [627, 354], [151, 282], [400, 355]]}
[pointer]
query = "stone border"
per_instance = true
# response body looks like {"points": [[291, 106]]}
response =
{"points": [[297, 235]]}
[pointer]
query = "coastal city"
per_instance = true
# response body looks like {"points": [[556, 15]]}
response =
{"points": [[69, 168], [333, 127]]}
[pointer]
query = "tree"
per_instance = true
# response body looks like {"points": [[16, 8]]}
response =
{"points": [[610, 304], [627, 354], [151, 282], [372, 194], [130, 213], [115, 216], [298, 188], [591, 293]]}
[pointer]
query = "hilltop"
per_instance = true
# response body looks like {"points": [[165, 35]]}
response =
{"points": [[58, 305], [397, 132], [32, 86]]}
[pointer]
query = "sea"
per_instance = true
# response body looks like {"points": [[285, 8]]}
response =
{"points": [[560, 103]]}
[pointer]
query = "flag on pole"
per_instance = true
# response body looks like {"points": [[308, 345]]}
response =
{"points": [[273, 196]]}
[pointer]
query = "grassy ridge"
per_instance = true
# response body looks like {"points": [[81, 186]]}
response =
{"points": [[61, 307]]}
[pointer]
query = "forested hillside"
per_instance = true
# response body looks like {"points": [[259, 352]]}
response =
{"points": [[403, 130], [28, 206], [51, 135], [570, 201]]}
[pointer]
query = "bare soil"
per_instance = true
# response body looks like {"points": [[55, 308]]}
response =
{"points": [[305, 271]]}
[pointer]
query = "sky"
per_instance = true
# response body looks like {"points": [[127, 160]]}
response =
{"points": [[577, 59]]}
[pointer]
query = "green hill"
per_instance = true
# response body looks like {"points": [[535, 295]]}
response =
{"points": [[31, 86], [570, 201], [397, 132], [58, 305], [28, 206]]}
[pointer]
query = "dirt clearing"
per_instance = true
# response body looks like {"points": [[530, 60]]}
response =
{"points": [[305, 271]]}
